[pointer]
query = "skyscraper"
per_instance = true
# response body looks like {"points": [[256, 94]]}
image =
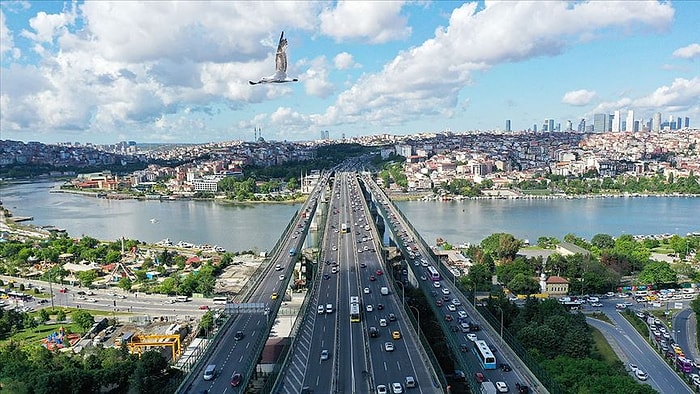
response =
{"points": [[507, 124], [600, 123], [687, 122], [656, 122], [551, 125], [629, 125], [615, 127]]}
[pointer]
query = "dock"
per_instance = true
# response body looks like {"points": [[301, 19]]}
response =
{"points": [[18, 219]]}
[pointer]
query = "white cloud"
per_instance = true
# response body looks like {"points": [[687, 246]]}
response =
{"points": [[427, 79], [6, 41], [374, 21], [688, 52], [344, 61], [578, 97], [683, 95], [315, 79]]}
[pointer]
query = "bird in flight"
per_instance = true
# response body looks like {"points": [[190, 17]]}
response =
{"points": [[280, 75]]}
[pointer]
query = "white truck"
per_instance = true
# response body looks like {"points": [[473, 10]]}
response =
{"points": [[488, 388]]}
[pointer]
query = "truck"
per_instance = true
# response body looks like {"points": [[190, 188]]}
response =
{"points": [[488, 388], [384, 290]]}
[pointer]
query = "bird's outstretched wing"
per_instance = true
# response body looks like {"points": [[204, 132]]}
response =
{"points": [[281, 57]]}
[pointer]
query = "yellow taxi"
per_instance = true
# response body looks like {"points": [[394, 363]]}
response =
{"points": [[396, 335], [274, 296]]}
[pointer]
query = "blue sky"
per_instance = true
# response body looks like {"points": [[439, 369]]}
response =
{"points": [[104, 72]]}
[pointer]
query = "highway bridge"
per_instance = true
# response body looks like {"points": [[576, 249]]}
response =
{"points": [[339, 349]]}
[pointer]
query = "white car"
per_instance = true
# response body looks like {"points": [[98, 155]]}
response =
{"points": [[462, 314], [396, 388], [381, 389], [451, 308], [382, 322], [369, 308], [471, 337], [502, 387], [445, 291], [321, 309], [641, 375], [281, 277], [436, 284], [633, 367], [388, 346], [456, 302], [366, 290]]}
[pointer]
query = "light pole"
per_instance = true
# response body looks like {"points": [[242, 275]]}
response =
{"points": [[417, 313], [403, 299], [501, 309]]}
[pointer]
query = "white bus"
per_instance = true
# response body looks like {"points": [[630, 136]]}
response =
{"points": [[181, 298], [433, 273], [483, 352], [219, 300], [355, 309]]}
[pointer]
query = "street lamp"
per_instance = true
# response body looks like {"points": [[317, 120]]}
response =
{"points": [[501, 309], [403, 300], [417, 313]]}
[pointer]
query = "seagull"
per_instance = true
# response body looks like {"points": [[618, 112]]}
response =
{"points": [[280, 75]]}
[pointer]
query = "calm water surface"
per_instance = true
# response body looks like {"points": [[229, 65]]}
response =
{"points": [[258, 226]]}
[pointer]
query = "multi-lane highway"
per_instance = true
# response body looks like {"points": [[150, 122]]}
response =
{"points": [[334, 352]]}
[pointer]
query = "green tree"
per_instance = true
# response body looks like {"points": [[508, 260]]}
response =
{"points": [[83, 319], [125, 283], [603, 241], [60, 315], [658, 272], [43, 316], [523, 284], [87, 277]]}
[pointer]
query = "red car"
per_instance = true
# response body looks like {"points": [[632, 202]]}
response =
{"points": [[236, 379], [479, 377], [380, 272], [372, 278], [438, 302], [204, 307]]}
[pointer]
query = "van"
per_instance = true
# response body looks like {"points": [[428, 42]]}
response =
{"points": [[410, 382], [329, 308], [210, 372]]}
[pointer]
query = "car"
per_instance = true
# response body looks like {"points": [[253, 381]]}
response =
{"points": [[381, 389], [448, 317], [479, 377], [438, 302], [436, 284], [373, 332], [451, 308], [236, 379], [380, 272], [274, 296], [502, 387], [334, 270], [445, 298], [456, 302], [321, 309], [369, 308], [80, 293], [326, 276], [372, 278], [597, 304], [422, 277], [641, 375], [363, 265], [324, 354], [380, 306], [382, 322], [204, 307], [396, 334], [94, 300], [239, 335], [392, 317], [388, 346], [396, 388], [120, 296], [281, 277], [366, 290], [633, 367], [445, 290], [462, 314], [471, 337], [522, 389], [505, 367]]}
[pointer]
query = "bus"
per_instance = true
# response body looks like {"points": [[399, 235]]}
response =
{"points": [[684, 364], [433, 274], [355, 309], [292, 252], [219, 300], [483, 352], [344, 228]]}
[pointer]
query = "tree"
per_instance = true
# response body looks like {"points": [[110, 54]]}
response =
{"points": [[125, 283], [83, 318], [658, 272], [43, 316], [603, 241], [87, 277], [207, 321], [523, 284], [60, 315]]}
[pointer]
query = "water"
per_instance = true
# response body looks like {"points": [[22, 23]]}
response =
{"points": [[238, 227]]}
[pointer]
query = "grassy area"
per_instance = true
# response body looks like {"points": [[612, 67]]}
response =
{"points": [[602, 349], [33, 336], [600, 316]]}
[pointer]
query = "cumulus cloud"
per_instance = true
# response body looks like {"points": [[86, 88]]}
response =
{"points": [[578, 97], [315, 79], [688, 52], [682, 95], [372, 21], [344, 61], [419, 81]]}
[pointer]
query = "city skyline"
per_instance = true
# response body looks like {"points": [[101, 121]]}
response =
{"points": [[104, 72]]}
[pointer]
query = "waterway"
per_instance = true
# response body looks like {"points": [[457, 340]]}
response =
{"points": [[257, 227]]}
